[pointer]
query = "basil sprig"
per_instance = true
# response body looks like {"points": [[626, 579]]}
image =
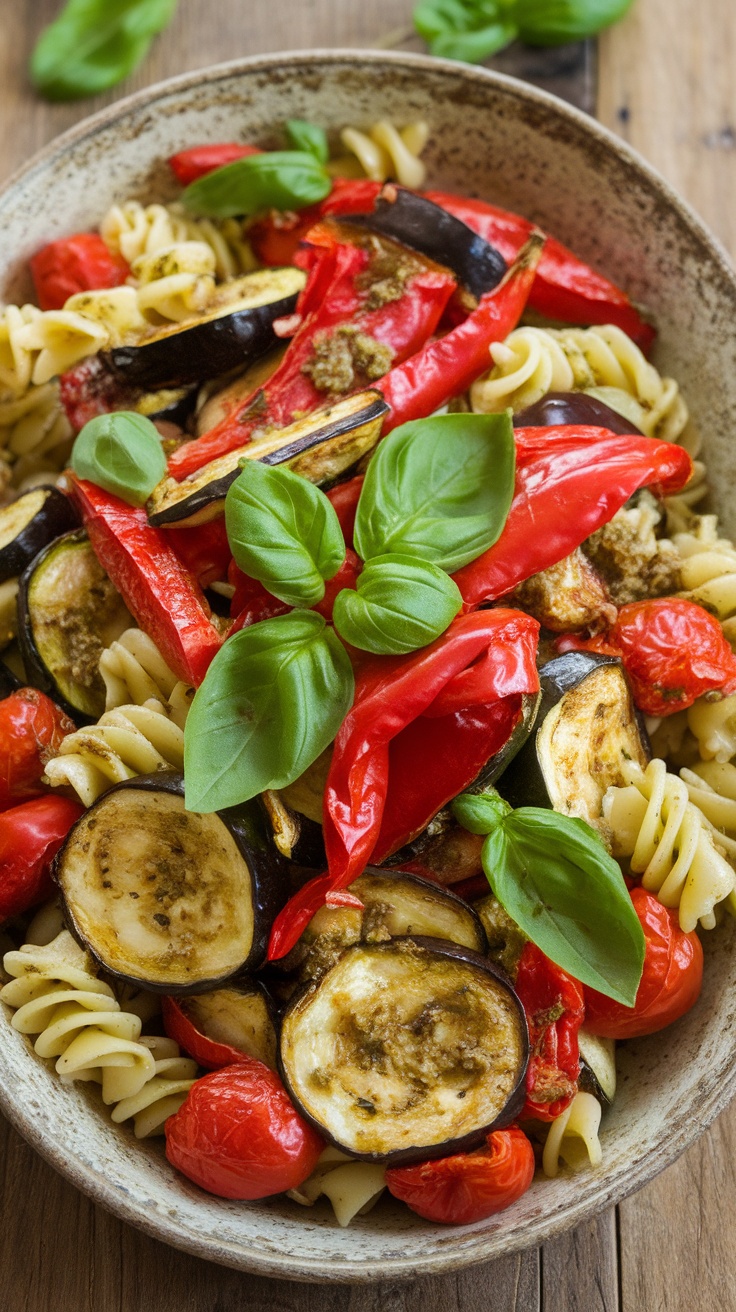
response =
{"points": [[439, 489], [279, 180], [272, 700], [399, 603], [308, 136], [555, 878], [121, 452], [284, 532], [94, 44], [473, 30]]}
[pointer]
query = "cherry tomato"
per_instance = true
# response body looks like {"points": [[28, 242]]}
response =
{"points": [[239, 1136], [188, 165], [30, 836], [672, 649], [80, 263], [670, 982], [469, 1186], [32, 729], [553, 1002], [207, 1052]]}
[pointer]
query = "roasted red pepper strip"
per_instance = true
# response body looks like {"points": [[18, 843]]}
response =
{"points": [[334, 297], [390, 693], [553, 1002], [565, 287], [345, 498], [188, 165], [204, 550], [80, 263], [157, 589], [30, 836], [447, 367], [590, 469], [32, 729], [673, 651]]}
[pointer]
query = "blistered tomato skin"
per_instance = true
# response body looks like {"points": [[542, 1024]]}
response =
{"points": [[32, 728], [239, 1136], [670, 983], [30, 836], [468, 1186]]}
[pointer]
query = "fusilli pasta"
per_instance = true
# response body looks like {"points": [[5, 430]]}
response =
{"points": [[125, 742], [135, 672], [135, 230], [669, 842], [353, 1188], [386, 152], [573, 1136], [35, 434], [708, 573], [602, 361], [77, 1022]]}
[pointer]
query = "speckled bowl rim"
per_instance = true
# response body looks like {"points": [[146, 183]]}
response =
{"points": [[716, 1086]]}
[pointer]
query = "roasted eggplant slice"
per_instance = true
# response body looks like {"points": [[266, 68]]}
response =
{"points": [[29, 523], [559, 408], [568, 596], [419, 223], [406, 1050], [395, 905], [221, 1027], [68, 612], [587, 727], [320, 447], [171, 405], [598, 1056], [165, 898], [236, 327]]}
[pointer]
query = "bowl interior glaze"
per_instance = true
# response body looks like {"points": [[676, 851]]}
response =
{"points": [[502, 140]]}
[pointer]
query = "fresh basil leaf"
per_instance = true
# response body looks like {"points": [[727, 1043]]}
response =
{"points": [[284, 532], [121, 452], [94, 44], [280, 180], [439, 489], [469, 30], [308, 136], [554, 877], [480, 812], [557, 22], [399, 604], [272, 700]]}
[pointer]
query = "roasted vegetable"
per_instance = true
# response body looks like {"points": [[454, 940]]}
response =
{"points": [[558, 408], [598, 1062], [320, 447], [221, 1027], [419, 223], [406, 1050], [68, 612], [568, 596], [165, 898], [235, 328], [29, 523], [586, 728], [297, 838]]}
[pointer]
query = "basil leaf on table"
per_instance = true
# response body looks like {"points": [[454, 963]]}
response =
{"points": [[556, 22], [94, 44], [439, 489], [554, 877], [272, 700], [279, 180], [284, 532], [309, 137], [121, 452], [398, 605], [473, 30]]}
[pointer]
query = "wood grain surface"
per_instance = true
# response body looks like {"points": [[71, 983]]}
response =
{"points": [[663, 79]]}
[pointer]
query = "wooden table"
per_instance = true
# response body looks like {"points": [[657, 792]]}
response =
{"points": [[663, 79]]}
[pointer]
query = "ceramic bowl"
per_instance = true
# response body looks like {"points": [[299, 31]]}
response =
{"points": [[497, 138]]}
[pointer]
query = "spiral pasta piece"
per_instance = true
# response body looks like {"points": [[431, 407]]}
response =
{"points": [[35, 434], [387, 152], [134, 230], [668, 842], [708, 574], [135, 672], [17, 358], [601, 361], [79, 1024], [353, 1188], [573, 1136], [125, 742]]}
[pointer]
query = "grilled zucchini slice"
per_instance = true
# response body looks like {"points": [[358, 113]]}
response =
{"points": [[29, 523]]}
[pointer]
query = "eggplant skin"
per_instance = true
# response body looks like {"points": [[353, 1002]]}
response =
{"points": [[247, 835], [559, 408], [397, 1034], [29, 524]]}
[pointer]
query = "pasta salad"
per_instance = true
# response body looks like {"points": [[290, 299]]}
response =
{"points": [[368, 677]]}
